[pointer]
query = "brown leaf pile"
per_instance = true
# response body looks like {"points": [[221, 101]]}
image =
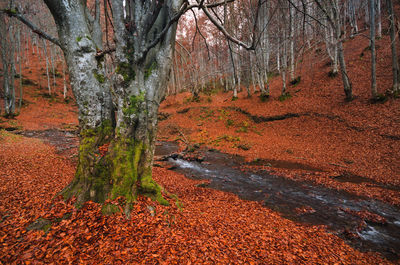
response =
{"points": [[212, 228], [337, 137]]}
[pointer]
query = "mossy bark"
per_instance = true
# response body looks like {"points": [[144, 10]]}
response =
{"points": [[135, 90], [132, 150], [124, 171], [131, 171], [92, 177]]}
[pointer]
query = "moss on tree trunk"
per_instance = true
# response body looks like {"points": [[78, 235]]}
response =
{"points": [[91, 180], [123, 171]]}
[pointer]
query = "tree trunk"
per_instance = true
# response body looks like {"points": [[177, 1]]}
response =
{"points": [[116, 157], [19, 58], [291, 42], [91, 91], [7, 57], [330, 42], [339, 38], [374, 92], [366, 15], [379, 19], [139, 86], [346, 81], [234, 78], [353, 18], [64, 81], [395, 63], [47, 66]]}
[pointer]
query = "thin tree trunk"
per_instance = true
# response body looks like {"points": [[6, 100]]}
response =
{"points": [[379, 19], [291, 42], [234, 78], [7, 51], [330, 42], [47, 66], [366, 15], [252, 74], [395, 63], [346, 81], [284, 67], [336, 24], [52, 64], [64, 81], [19, 58], [374, 92]]}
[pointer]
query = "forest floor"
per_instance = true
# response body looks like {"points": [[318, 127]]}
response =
{"points": [[352, 146]]}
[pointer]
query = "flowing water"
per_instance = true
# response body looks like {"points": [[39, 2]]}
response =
{"points": [[300, 201]]}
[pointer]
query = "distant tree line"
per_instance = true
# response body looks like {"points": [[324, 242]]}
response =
{"points": [[286, 30]]}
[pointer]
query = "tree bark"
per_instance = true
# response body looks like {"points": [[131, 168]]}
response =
{"points": [[395, 63], [374, 92], [7, 57], [379, 19], [139, 86], [91, 91], [291, 42]]}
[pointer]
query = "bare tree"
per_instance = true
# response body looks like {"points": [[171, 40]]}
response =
{"points": [[395, 63], [7, 51], [331, 10], [374, 92], [378, 18], [292, 21]]}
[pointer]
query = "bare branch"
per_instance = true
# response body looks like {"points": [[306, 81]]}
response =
{"points": [[225, 32], [33, 27], [201, 34], [173, 20], [212, 5], [330, 20], [306, 14]]}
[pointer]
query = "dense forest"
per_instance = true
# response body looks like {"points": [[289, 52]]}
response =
{"points": [[173, 131]]}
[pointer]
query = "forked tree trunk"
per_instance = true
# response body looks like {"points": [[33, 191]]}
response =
{"points": [[115, 158], [139, 87]]}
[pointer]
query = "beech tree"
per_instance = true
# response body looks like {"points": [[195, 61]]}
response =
{"points": [[118, 108], [7, 50], [374, 92], [395, 62], [333, 14]]}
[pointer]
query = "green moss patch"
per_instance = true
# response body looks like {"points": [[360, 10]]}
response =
{"points": [[127, 72]]}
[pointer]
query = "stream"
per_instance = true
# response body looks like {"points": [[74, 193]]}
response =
{"points": [[303, 202]]}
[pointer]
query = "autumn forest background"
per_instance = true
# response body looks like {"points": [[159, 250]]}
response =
{"points": [[276, 133]]}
